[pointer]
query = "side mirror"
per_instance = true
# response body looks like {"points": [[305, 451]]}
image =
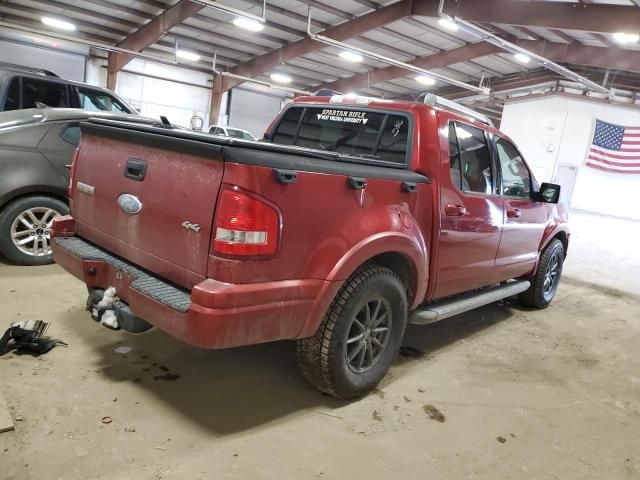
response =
{"points": [[549, 193]]}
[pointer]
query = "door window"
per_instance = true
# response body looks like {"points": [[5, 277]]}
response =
{"points": [[51, 94], [470, 159], [97, 100], [516, 179], [12, 101]]}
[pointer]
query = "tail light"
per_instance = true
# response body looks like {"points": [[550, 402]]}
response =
{"points": [[72, 174], [245, 226]]}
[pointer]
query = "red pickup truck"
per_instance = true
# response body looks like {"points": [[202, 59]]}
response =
{"points": [[353, 217]]}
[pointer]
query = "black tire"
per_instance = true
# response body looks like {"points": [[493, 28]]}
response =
{"points": [[39, 206], [541, 292], [323, 357]]}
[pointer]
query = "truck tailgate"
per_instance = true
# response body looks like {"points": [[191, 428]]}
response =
{"points": [[148, 199]]}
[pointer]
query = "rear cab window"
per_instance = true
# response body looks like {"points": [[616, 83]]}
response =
{"points": [[374, 136]]}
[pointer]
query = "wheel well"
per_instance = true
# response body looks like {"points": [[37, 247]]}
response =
{"points": [[562, 236], [402, 266], [36, 193]]}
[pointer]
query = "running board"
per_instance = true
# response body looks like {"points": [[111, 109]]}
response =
{"points": [[448, 308]]}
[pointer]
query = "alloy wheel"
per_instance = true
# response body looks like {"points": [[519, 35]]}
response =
{"points": [[31, 231], [369, 334]]}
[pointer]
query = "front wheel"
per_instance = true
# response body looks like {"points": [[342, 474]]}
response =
{"points": [[544, 283], [25, 229], [359, 336]]}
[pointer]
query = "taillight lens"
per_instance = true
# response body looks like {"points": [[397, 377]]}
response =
{"points": [[245, 226], [72, 174]]}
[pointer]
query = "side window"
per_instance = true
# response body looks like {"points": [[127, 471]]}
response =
{"points": [[454, 159], [71, 134], [217, 131], [516, 179], [474, 161], [13, 96], [49, 93]]}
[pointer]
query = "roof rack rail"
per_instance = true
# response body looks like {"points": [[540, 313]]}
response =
{"points": [[436, 101], [24, 68]]}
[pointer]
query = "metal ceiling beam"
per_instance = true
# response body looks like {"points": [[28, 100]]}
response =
{"points": [[595, 17], [439, 60], [149, 34], [340, 32], [576, 54], [602, 57]]}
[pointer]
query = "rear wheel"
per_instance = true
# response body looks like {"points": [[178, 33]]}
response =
{"points": [[544, 283], [25, 229], [359, 336]]}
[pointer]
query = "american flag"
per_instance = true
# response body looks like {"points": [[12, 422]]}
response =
{"points": [[615, 148]]}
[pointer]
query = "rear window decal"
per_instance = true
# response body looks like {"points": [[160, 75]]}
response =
{"points": [[396, 127], [347, 116]]}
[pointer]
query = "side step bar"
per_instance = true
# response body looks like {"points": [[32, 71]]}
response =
{"points": [[448, 308]]}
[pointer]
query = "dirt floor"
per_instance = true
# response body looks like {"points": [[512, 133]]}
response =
{"points": [[498, 393]]}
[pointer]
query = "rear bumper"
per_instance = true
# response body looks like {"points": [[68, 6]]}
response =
{"points": [[214, 314]]}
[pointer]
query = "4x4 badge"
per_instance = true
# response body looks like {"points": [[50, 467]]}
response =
{"points": [[194, 227]]}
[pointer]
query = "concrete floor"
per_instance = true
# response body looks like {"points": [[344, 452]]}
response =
{"points": [[501, 392]]}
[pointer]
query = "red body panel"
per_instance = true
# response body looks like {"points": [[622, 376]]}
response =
{"points": [[452, 242], [177, 187]]}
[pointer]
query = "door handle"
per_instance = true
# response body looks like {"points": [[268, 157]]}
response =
{"points": [[513, 212], [453, 210], [358, 183], [285, 176], [135, 169]]}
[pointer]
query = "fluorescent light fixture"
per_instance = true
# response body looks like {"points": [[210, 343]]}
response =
{"points": [[351, 56], [280, 78], [60, 24], [248, 24], [522, 58], [626, 38], [187, 55], [448, 24], [424, 80]]}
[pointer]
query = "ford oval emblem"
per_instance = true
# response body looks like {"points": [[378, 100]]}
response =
{"points": [[129, 204]]}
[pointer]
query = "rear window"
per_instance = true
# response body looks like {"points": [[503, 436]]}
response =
{"points": [[373, 135]]}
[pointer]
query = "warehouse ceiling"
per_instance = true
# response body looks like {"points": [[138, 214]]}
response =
{"points": [[579, 35]]}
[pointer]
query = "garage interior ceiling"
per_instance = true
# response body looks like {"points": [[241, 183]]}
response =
{"points": [[577, 35]]}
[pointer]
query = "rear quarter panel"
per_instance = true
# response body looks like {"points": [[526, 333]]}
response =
{"points": [[329, 229], [23, 169]]}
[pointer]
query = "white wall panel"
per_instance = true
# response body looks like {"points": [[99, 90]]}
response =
{"points": [[557, 130], [70, 66]]}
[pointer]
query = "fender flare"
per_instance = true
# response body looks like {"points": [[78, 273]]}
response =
{"points": [[412, 248]]}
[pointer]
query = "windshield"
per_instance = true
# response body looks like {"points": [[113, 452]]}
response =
{"points": [[97, 100], [237, 133]]}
